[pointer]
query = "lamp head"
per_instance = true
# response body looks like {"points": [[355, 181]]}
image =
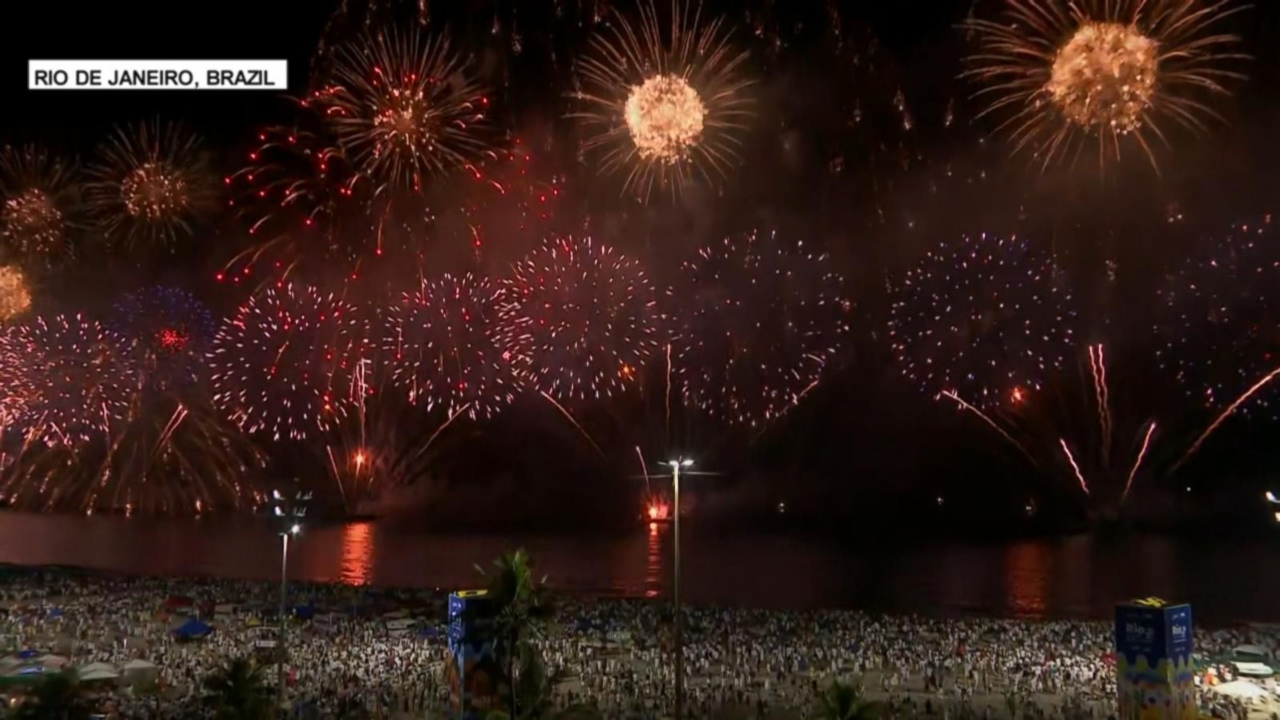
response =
{"points": [[295, 529], [686, 463], [1271, 497]]}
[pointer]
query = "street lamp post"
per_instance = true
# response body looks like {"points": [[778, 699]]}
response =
{"points": [[289, 513], [675, 466]]}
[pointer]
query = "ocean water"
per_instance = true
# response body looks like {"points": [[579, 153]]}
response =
{"points": [[1079, 577]]}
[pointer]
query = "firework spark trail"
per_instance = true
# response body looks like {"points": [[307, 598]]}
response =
{"points": [[768, 422], [644, 471], [440, 429], [1098, 367], [987, 419], [337, 474], [1195, 447], [566, 413], [1074, 467], [170, 427], [666, 398], [1146, 442]]}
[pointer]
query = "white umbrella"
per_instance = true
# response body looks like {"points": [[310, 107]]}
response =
{"points": [[1242, 689], [99, 674], [139, 671]]}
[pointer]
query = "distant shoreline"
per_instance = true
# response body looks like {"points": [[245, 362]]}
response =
{"points": [[440, 594]]}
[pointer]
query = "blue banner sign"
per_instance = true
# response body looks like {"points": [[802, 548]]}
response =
{"points": [[1140, 631]]}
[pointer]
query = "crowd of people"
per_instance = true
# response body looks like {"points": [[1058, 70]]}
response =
{"points": [[386, 651]]}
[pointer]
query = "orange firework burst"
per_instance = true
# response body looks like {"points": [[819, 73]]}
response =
{"points": [[39, 203], [667, 106], [15, 296], [150, 184], [1102, 73], [404, 107]]}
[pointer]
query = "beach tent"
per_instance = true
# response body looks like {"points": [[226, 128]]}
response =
{"points": [[1252, 653], [27, 654], [97, 671], [192, 628], [24, 675], [139, 672], [1242, 690], [1253, 669], [53, 662]]}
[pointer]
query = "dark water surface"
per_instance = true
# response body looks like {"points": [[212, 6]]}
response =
{"points": [[1080, 576]]}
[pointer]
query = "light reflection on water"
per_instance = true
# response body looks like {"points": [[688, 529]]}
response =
{"points": [[654, 562], [1079, 576], [357, 553]]}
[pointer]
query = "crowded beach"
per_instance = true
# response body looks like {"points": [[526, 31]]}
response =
{"points": [[147, 644]]}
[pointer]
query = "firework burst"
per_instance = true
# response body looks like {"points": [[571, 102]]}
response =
{"points": [[1102, 73], [168, 330], [760, 325], [1220, 324], [443, 343], [986, 318], [664, 106], [150, 184], [79, 375], [15, 295], [41, 204], [497, 213], [15, 378], [389, 444], [404, 108], [578, 319], [284, 365], [171, 455], [294, 194]]}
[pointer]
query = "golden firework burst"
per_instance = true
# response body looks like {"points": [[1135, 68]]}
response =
{"points": [[150, 184], [15, 296], [404, 107], [1101, 74], [39, 203], [664, 106]]}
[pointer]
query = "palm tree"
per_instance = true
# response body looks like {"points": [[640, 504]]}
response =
{"points": [[237, 692], [521, 607], [55, 697], [535, 692], [843, 701]]}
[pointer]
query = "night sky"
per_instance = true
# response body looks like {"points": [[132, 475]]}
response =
{"points": [[867, 439]]}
